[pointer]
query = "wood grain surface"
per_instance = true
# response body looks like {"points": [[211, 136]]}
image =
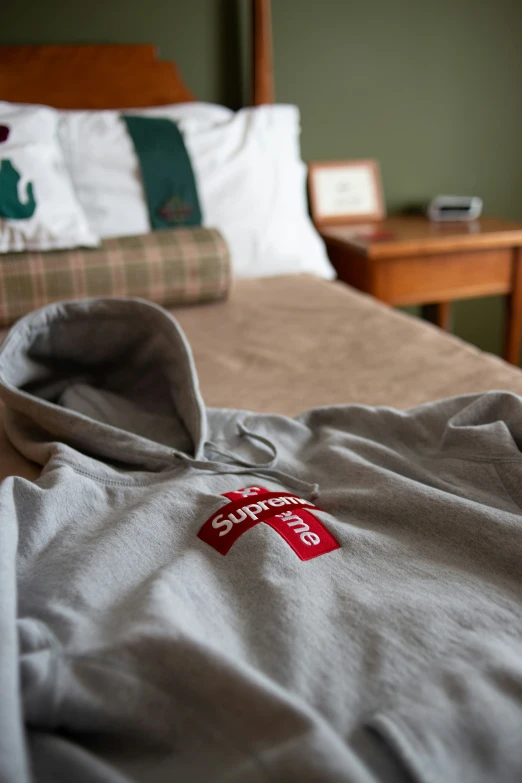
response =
{"points": [[90, 76], [412, 236]]}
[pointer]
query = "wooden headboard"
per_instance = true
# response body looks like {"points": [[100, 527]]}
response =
{"points": [[94, 76], [116, 76]]}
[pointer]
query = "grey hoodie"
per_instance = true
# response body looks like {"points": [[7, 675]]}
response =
{"points": [[191, 595]]}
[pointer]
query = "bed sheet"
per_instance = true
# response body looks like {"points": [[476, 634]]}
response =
{"points": [[285, 344]]}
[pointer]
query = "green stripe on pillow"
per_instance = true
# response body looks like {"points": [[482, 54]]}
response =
{"points": [[168, 178]]}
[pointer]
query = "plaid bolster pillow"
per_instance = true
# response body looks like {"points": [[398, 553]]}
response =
{"points": [[173, 267]]}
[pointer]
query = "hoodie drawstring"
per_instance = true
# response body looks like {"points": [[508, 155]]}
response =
{"points": [[261, 469], [253, 436]]}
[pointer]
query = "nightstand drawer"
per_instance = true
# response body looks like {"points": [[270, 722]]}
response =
{"points": [[439, 278]]}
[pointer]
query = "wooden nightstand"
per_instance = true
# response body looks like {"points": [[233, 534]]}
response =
{"points": [[409, 260]]}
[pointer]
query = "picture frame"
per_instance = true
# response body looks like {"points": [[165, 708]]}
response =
{"points": [[345, 191]]}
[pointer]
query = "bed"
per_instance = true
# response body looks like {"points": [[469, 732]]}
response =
{"points": [[292, 341]]}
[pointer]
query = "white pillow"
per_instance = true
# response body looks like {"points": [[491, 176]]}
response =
{"points": [[104, 168], [248, 169], [51, 215]]}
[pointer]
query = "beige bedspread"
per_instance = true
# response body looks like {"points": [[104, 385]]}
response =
{"points": [[286, 344]]}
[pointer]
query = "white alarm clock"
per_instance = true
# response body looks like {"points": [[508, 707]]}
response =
{"points": [[455, 208]]}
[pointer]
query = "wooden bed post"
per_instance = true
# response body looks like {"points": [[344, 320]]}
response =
{"points": [[263, 73]]}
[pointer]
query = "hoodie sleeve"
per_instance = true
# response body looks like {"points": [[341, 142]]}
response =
{"points": [[13, 756]]}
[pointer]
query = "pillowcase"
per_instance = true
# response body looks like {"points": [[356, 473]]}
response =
{"points": [[250, 178], [104, 167], [174, 267], [38, 207]]}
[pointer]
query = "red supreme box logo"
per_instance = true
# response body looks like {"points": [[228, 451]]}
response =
{"points": [[287, 514]]}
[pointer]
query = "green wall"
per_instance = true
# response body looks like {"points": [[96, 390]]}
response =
{"points": [[433, 90]]}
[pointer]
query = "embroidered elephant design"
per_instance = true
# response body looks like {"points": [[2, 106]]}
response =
{"points": [[10, 205]]}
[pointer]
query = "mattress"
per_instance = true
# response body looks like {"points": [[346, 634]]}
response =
{"points": [[285, 344]]}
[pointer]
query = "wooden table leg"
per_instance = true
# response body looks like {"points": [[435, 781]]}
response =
{"points": [[513, 325], [439, 314]]}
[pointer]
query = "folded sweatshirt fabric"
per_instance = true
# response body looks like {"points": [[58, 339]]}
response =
{"points": [[191, 594]]}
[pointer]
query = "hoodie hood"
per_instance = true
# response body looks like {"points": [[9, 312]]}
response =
{"points": [[111, 378]]}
